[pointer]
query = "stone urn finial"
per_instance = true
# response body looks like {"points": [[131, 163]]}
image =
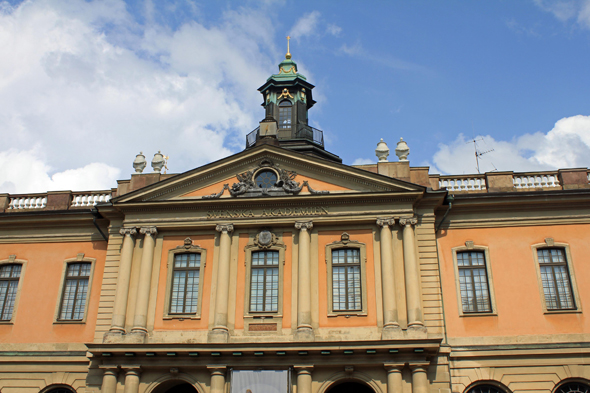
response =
{"points": [[382, 151], [139, 163], [158, 162], [402, 150]]}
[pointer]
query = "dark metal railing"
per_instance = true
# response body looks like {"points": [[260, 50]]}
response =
{"points": [[303, 132]]}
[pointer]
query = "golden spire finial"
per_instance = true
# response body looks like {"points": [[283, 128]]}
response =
{"points": [[288, 55]]}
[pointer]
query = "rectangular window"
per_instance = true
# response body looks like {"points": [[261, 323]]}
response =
{"points": [[75, 291], [9, 276], [557, 286], [473, 282], [346, 280], [185, 284], [285, 117], [264, 286]]}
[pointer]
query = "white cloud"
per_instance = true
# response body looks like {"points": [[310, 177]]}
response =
{"points": [[334, 30], [86, 83], [355, 49], [363, 161], [567, 145], [565, 10], [306, 25], [26, 172]]}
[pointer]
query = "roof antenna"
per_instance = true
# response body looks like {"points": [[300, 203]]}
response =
{"points": [[479, 153]]}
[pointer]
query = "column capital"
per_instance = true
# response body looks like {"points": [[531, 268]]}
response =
{"points": [[113, 370], [303, 368], [128, 231], [132, 369], [217, 369], [419, 366], [394, 367], [227, 228], [383, 222], [151, 231], [304, 225], [404, 221]]}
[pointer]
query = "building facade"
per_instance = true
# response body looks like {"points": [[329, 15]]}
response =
{"points": [[281, 269]]}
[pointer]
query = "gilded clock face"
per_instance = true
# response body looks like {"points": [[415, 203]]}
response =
{"points": [[264, 238]]}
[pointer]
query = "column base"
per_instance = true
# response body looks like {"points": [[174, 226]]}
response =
{"points": [[391, 332], [136, 337], [304, 334], [218, 336], [417, 331], [113, 336]]}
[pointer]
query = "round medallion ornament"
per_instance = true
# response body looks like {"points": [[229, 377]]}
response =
{"points": [[265, 238]]}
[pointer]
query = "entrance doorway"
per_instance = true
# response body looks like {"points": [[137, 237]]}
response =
{"points": [[175, 386], [350, 387]]}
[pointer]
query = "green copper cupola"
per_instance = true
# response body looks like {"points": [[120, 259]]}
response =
{"points": [[287, 98]]}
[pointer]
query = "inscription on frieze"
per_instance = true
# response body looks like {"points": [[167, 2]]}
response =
{"points": [[262, 327], [271, 212]]}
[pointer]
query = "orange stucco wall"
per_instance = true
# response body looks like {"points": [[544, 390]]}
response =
{"points": [[34, 319], [516, 287], [363, 236], [206, 242], [317, 185]]}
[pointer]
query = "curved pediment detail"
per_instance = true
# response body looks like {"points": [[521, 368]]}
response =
{"points": [[267, 179]]}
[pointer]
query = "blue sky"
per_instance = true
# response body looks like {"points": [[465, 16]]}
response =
{"points": [[89, 84]]}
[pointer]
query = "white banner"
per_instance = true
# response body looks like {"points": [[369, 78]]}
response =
{"points": [[260, 381]]}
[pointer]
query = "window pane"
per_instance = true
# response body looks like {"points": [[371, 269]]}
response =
{"points": [[555, 279], [184, 297], [473, 282], [285, 115], [75, 291], [264, 282], [346, 280]]}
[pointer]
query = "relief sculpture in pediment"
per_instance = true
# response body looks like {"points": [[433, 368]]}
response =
{"points": [[267, 179]]}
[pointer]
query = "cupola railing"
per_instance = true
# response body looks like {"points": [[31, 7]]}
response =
{"points": [[304, 132]]}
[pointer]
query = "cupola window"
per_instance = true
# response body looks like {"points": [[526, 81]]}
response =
{"points": [[285, 108]]}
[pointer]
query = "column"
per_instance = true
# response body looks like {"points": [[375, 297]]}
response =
{"points": [[304, 328], [122, 294], [132, 379], [109, 380], [412, 273], [220, 331], [390, 322], [394, 377], [419, 378], [217, 378], [303, 378], [145, 280]]}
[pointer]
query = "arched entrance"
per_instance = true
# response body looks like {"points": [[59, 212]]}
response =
{"points": [[350, 387], [175, 386]]}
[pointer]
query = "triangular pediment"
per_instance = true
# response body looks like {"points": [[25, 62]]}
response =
{"points": [[295, 174]]}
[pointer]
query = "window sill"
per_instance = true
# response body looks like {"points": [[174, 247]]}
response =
{"points": [[347, 314], [66, 322], [263, 316], [6, 322], [479, 314], [568, 311], [181, 317]]}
